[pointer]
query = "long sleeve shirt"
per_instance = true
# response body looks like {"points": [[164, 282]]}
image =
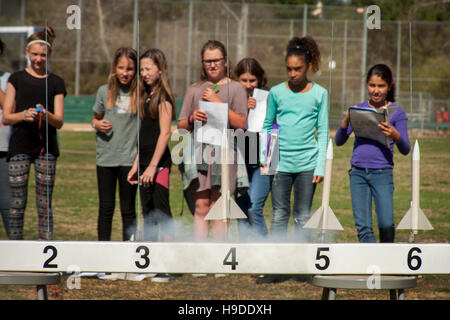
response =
{"points": [[298, 115], [371, 154]]}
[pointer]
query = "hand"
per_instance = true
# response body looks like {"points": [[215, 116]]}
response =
{"points": [[199, 115], [251, 103], [263, 169], [132, 175], [346, 120], [31, 114], [317, 179], [210, 95], [389, 131], [103, 126], [148, 176]]}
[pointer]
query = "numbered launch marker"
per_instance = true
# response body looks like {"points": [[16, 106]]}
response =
{"points": [[251, 258]]}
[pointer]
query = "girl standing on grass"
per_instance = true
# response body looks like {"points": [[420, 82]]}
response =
{"points": [[251, 75], [25, 108], [157, 110], [372, 161], [115, 123], [5, 133], [300, 107], [215, 86]]}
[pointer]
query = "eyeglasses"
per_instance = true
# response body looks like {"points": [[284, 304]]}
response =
{"points": [[210, 62]]}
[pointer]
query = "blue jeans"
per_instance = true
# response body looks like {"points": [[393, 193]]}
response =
{"points": [[378, 184], [252, 204], [304, 189]]}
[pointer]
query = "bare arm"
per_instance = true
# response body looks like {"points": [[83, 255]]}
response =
{"points": [[165, 119]]}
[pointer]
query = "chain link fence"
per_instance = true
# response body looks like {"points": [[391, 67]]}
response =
{"points": [[179, 28]]}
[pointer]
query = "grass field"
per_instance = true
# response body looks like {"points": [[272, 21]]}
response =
{"points": [[75, 204]]}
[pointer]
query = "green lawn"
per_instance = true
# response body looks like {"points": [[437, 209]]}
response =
{"points": [[75, 204], [75, 199]]}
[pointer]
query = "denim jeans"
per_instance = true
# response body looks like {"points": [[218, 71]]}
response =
{"points": [[304, 188], [378, 184], [252, 204]]}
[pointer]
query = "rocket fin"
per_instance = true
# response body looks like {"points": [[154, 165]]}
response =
{"points": [[332, 222], [235, 211], [316, 220], [217, 211], [422, 223]]}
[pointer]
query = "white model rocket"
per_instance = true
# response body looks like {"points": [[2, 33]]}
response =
{"points": [[414, 218], [225, 207], [324, 218]]}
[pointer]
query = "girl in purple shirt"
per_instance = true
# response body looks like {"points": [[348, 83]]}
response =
{"points": [[372, 161]]}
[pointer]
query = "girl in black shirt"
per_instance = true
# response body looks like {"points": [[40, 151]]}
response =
{"points": [[33, 97], [157, 110]]}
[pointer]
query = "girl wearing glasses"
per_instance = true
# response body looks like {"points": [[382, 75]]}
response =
{"points": [[214, 86]]}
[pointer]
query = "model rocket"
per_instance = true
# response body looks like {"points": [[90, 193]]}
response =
{"points": [[225, 207], [414, 218], [324, 218]]}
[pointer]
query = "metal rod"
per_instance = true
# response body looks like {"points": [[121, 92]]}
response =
{"points": [[139, 229]]}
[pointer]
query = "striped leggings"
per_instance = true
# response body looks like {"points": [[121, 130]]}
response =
{"points": [[44, 170]]}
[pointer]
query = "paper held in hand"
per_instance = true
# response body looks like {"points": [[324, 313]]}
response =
{"points": [[211, 131], [364, 122], [256, 116]]}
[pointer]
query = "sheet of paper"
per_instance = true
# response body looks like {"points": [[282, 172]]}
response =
{"points": [[211, 132], [364, 122], [256, 116]]}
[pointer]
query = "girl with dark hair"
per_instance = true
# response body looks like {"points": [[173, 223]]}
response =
{"points": [[115, 123], [300, 107], [251, 75], [372, 161], [214, 87], [34, 97]]}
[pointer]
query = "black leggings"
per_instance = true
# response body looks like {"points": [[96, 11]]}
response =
{"points": [[107, 178]]}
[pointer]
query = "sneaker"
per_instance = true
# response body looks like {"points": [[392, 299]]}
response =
{"points": [[199, 275], [220, 275], [162, 277], [272, 278]]}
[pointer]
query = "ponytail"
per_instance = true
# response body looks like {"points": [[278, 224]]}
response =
{"points": [[305, 47]]}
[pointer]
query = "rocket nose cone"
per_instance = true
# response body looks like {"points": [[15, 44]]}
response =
{"points": [[330, 150], [416, 151]]}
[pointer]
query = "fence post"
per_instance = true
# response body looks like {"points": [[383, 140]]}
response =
{"points": [[344, 69], [399, 58], [364, 57], [305, 19], [245, 31], [135, 18], [78, 52], [189, 44]]}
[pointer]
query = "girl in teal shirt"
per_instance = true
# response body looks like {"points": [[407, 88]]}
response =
{"points": [[299, 107]]}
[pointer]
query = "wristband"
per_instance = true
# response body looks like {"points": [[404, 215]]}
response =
{"points": [[93, 125], [189, 120], [24, 115]]}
